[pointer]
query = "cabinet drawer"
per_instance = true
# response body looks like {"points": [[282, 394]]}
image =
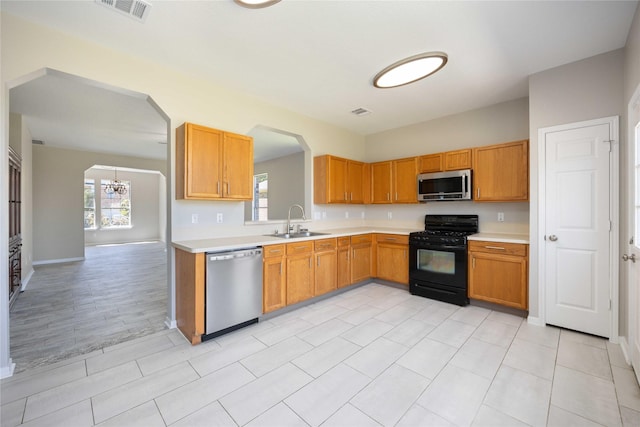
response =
{"points": [[271, 251], [299, 248], [518, 249], [325, 245], [360, 239], [400, 239], [344, 241]]}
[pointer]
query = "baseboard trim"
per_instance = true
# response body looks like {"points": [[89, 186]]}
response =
{"points": [[25, 280], [624, 346], [533, 320], [7, 371], [58, 261], [171, 324]]}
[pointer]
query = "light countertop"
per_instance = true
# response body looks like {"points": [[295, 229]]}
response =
{"points": [[500, 237], [239, 242]]}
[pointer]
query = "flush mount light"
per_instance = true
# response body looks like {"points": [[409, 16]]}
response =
{"points": [[256, 4], [410, 69]]}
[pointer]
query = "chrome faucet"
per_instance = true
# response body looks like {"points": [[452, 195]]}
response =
{"points": [[288, 230]]}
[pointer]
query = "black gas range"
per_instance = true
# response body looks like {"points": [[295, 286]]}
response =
{"points": [[438, 258]]}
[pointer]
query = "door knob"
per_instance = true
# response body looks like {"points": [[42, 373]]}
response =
{"points": [[553, 237], [631, 257]]}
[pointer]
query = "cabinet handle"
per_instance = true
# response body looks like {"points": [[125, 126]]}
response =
{"points": [[318, 261], [218, 187], [354, 254], [345, 196], [351, 196], [387, 196], [499, 248], [478, 192], [390, 239], [396, 196], [473, 263], [309, 262]]}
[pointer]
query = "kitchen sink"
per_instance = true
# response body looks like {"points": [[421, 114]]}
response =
{"points": [[297, 235]]}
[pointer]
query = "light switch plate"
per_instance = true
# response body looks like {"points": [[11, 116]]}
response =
{"points": [[219, 218]]}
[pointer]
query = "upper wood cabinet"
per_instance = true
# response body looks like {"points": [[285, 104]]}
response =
{"points": [[338, 180], [501, 172], [394, 181], [448, 161], [212, 164]]}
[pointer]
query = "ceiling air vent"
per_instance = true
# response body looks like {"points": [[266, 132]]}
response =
{"points": [[37, 142], [360, 111], [136, 9]]}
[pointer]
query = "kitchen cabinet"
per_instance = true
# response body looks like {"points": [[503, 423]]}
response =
{"points": [[394, 181], [498, 273], [212, 164], [326, 266], [344, 262], [300, 271], [274, 273], [190, 282], [392, 257], [361, 257], [338, 180], [447, 161], [501, 172]]}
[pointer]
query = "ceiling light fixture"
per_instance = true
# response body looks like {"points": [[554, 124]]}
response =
{"points": [[115, 186], [410, 69], [256, 4]]}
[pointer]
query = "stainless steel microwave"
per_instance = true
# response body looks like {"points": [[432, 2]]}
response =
{"points": [[441, 186]]}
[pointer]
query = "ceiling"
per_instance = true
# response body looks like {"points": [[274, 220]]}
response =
{"points": [[318, 58]]}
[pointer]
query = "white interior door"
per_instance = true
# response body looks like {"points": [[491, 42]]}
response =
{"points": [[578, 227], [632, 255]]}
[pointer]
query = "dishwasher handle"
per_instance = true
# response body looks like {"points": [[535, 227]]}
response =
{"points": [[235, 254]]}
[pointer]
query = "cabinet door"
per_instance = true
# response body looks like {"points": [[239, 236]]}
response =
{"points": [[456, 160], [238, 166], [501, 172], [381, 182], [273, 284], [338, 180], [356, 187], [199, 162], [326, 275], [344, 267], [393, 263], [360, 262], [501, 279], [431, 163], [405, 173], [299, 278]]}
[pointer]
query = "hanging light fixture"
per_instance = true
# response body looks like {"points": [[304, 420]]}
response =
{"points": [[410, 69], [256, 4], [116, 186]]}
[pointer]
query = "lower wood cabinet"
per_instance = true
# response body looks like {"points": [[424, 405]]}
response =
{"points": [[392, 257], [344, 262], [498, 273], [274, 274], [190, 283], [300, 271], [326, 266], [361, 251]]}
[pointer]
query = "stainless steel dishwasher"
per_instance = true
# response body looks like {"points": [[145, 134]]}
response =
{"points": [[233, 294]]}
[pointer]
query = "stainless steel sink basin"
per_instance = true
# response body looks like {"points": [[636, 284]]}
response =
{"points": [[297, 235]]}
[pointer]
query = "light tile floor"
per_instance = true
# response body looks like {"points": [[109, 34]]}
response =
{"points": [[372, 356]]}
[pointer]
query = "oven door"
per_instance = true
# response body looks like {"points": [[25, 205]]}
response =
{"points": [[439, 264]]}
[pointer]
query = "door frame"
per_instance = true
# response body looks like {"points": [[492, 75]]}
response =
{"points": [[614, 215]]}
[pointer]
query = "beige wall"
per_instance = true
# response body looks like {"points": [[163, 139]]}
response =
{"points": [[145, 208], [583, 90], [58, 174]]}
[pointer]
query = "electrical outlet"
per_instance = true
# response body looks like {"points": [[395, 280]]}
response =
{"points": [[219, 218], [500, 216], [346, 215], [362, 214], [389, 215], [194, 218], [324, 215], [316, 215]]}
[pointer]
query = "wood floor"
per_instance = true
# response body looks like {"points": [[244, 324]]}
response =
{"points": [[117, 293]]}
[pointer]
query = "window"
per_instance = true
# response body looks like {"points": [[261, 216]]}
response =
{"points": [[261, 197], [115, 209], [89, 204]]}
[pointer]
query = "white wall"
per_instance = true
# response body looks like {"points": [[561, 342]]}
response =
{"points": [[583, 90], [145, 208], [58, 185]]}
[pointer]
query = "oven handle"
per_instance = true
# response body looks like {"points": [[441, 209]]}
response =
{"points": [[439, 247]]}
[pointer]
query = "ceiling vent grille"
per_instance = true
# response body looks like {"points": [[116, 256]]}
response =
{"points": [[360, 111], [37, 142], [136, 9]]}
